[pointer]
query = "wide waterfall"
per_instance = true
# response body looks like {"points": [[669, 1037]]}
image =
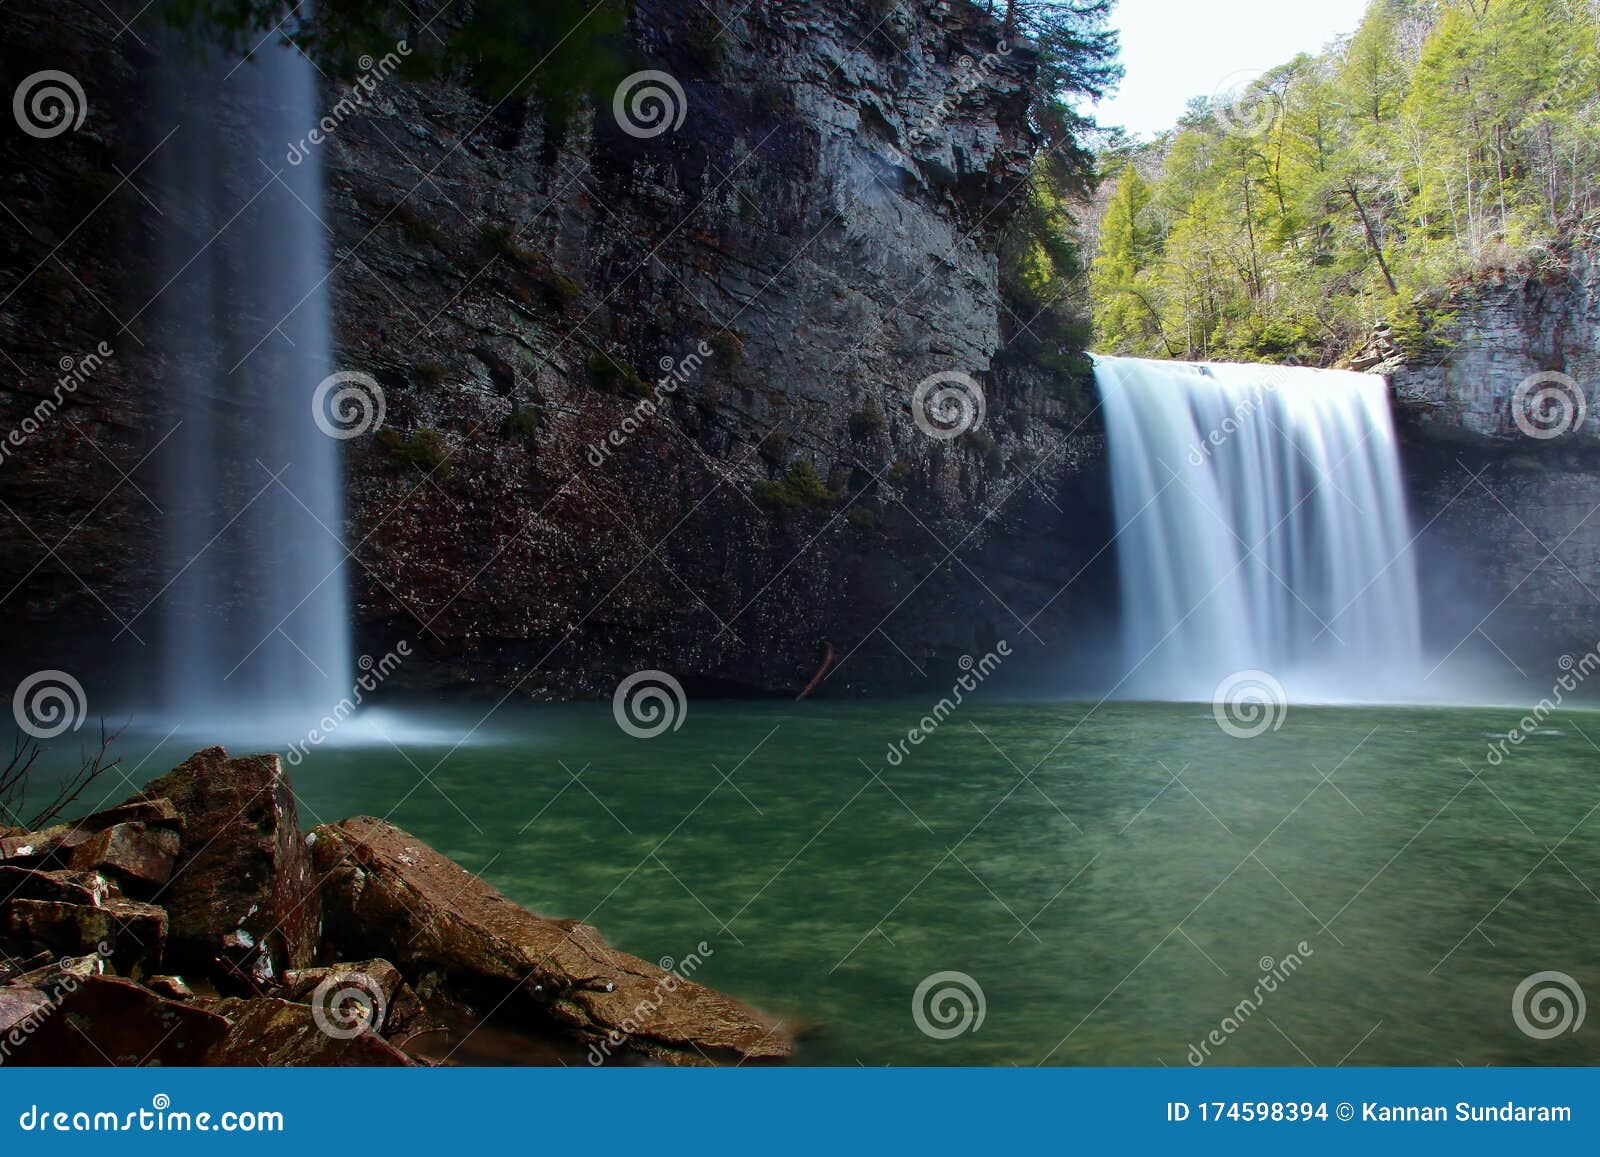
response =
{"points": [[1261, 528], [255, 613]]}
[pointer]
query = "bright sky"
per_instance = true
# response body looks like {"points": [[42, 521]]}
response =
{"points": [[1178, 49]]}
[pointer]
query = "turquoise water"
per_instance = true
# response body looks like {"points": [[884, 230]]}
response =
{"points": [[1115, 904]]}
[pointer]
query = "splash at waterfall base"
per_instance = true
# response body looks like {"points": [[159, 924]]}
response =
{"points": [[1261, 526]]}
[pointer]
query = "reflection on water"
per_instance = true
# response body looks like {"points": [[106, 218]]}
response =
{"points": [[1116, 881]]}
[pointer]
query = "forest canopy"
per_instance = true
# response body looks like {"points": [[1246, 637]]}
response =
{"points": [[1444, 141]]}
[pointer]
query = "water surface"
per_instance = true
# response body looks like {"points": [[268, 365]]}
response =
{"points": [[1114, 879]]}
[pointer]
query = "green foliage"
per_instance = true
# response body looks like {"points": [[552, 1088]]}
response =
{"points": [[552, 52], [727, 347], [702, 45], [866, 422], [799, 490], [1024, 460], [774, 448], [543, 287], [417, 228], [1444, 141], [609, 376], [423, 450], [988, 449], [501, 240], [862, 519], [556, 291], [769, 99], [523, 422], [427, 374], [1041, 270]]}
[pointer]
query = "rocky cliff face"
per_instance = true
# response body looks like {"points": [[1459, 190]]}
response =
{"points": [[1502, 432], [648, 398]]}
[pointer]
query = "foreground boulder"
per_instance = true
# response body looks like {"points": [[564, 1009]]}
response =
{"points": [[149, 824], [128, 934], [104, 1020], [387, 894], [240, 895], [270, 1031]]}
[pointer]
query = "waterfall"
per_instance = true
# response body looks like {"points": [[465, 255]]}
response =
{"points": [[254, 614], [1261, 527]]}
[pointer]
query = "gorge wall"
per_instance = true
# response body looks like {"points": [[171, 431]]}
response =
{"points": [[816, 238], [1508, 528]]}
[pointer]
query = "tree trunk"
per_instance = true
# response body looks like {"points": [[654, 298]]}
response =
{"points": [[1372, 238]]}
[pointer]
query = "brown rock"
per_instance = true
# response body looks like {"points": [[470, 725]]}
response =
{"points": [[171, 987], [241, 888], [50, 846], [268, 1031], [67, 887], [18, 1005], [387, 893], [137, 853], [102, 1020], [367, 989], [53, 973], [125, 932]]}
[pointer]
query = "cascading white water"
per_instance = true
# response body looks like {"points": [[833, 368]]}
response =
{"points": [[1261, 527], [255, 616]]}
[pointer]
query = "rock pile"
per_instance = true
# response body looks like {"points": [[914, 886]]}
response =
{"points": [[194, 924]]}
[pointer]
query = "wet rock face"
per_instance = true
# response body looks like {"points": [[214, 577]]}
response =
{"points": [[825, 221], [241, 889]]}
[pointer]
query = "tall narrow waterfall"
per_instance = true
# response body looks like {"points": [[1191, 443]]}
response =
{"points": [[1261, 526], [254, 616]]}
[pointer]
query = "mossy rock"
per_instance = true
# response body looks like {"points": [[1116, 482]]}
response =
{"points": [[425, 449], [609, 376], [801, 489]]}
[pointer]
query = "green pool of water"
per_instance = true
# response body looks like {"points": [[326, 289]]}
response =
{"points": [[1116, 881]]}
